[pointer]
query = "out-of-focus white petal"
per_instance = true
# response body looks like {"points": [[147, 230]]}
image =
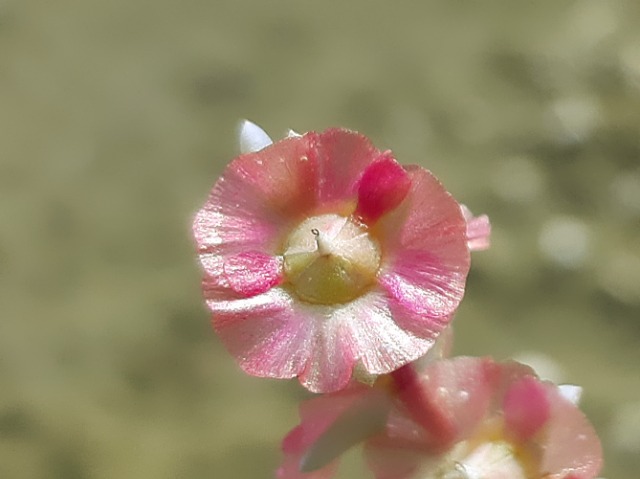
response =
{"points": [[292, 134], [251, 137], [571, 392]]}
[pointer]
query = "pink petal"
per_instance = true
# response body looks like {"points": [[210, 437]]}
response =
{"points": [[255, 202], [363, 330], [526, 408], [570, 445], [317, 416], [252, 272], [383, 186], [376, 339], [264, 333], [418, 282], [342, 156], [361, 420], [458, 391], [462, 387], [282, 176], [331, 361], [425, 246], [221, 229], [478, 230]]}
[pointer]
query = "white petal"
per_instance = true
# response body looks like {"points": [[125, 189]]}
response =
{"points": [[251, 137], [571, 392], [292, 134]]}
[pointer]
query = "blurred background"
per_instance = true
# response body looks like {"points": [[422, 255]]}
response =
{"points": [[117, 116]]}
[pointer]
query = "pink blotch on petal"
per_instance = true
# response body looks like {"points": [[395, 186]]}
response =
{"points": [[383, 186], [526, 408], [478, 230], [252, 272]]}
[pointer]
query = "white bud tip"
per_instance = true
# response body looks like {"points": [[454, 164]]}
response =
{"points": [[251, 137], [571, 393]]}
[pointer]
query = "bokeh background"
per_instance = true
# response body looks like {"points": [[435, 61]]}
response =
{"points": [[116, 117]]}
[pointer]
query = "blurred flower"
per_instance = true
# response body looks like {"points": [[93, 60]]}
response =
{"points": [[462, 418], [321, 252]]}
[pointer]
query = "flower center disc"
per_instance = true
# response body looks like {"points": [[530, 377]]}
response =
{"points": [[330, 259]]}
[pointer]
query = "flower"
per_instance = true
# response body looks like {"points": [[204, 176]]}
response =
{"points": [[321, 253], [461, 418]]}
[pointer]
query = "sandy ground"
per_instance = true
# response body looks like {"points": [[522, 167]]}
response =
{"points": [[116, 116]]}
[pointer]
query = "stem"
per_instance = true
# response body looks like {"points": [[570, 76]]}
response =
{"points": [[423, 407]]}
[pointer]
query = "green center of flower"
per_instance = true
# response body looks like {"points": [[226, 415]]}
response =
{"points": [[330, 259]]}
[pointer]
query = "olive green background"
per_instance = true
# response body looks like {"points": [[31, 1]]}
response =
{"points": [[116, 117]]}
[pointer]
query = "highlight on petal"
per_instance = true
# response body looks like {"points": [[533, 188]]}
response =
{"points": [[478, 230], [251, 137], [383, 186]]}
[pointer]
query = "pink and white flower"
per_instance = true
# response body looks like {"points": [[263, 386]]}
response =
{"points": [[321, 253], [461, 418]]}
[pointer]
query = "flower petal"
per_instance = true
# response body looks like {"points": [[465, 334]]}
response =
{"points": [[419, 283], [251, 137], [282, 176], [570, 444], [255, 202], [342, 157], [317, 416], [252, 272], [331, 359], [425, 244], [461, 387], [478, 230], [364, 418], [264, 333], [383, 186], [526, 408], [376, 339]]}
